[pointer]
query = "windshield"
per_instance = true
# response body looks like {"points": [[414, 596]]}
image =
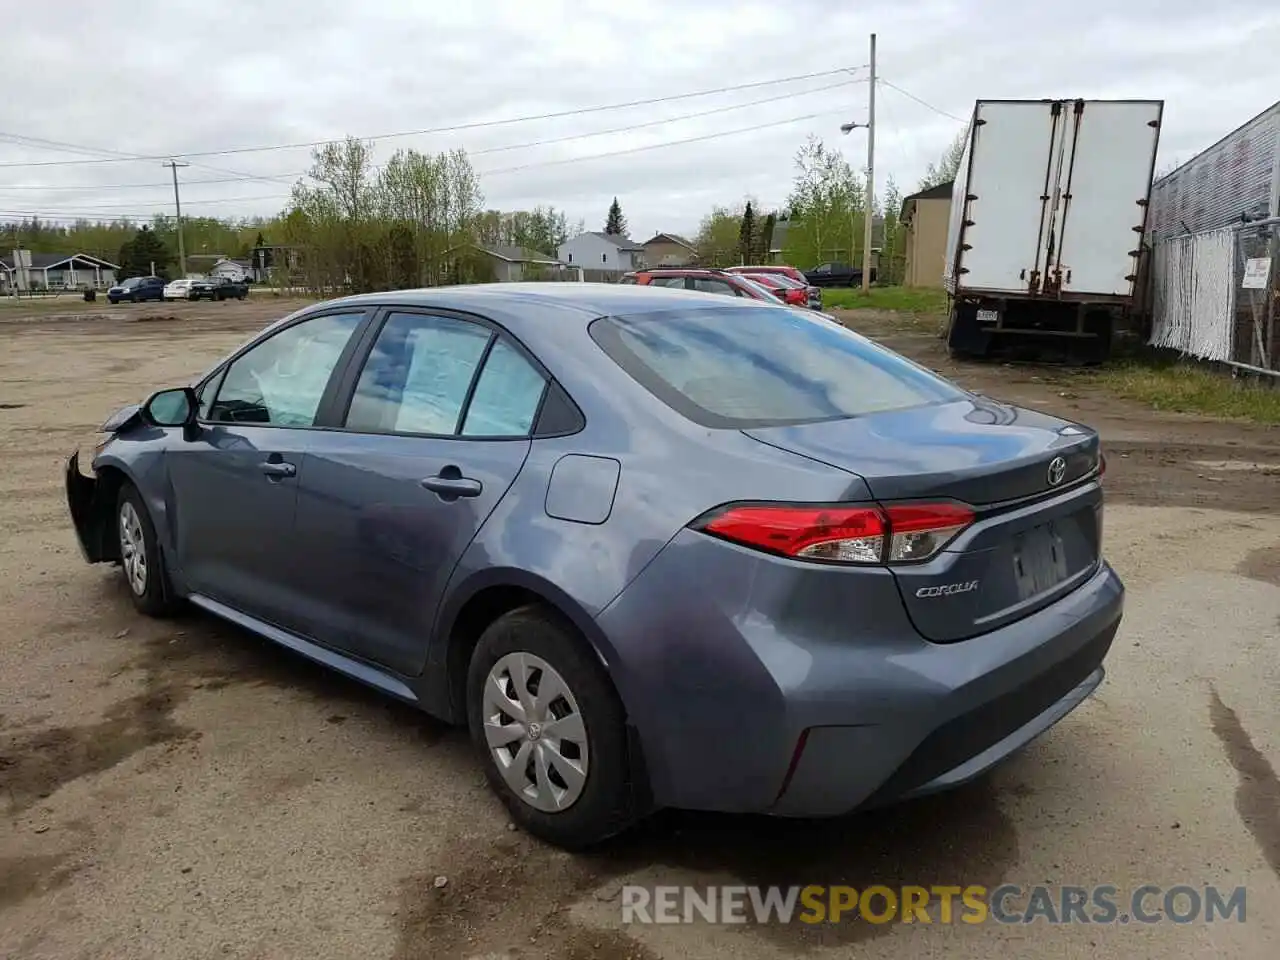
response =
{"points": [[746, 367]]}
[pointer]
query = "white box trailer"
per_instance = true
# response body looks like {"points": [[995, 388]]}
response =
{"points": [[1047, 217]]}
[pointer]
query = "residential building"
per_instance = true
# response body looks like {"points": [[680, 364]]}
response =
{"points": [[237, 270], [602, 251], [511, 263], [778, 242], [668, 250], [924, 217], [55, 271]]}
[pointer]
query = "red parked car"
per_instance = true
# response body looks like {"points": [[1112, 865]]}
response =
{"points": [[783, 287], [793, 273], [708, 281]]}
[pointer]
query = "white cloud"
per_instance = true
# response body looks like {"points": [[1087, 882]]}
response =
{"points": [[152, 77]]}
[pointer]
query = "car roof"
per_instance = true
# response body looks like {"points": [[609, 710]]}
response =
{"points": [[683, 271], [590, 300]]}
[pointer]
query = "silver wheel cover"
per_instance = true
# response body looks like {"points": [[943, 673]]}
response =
{"points": [[535, 732], [133, 549]]}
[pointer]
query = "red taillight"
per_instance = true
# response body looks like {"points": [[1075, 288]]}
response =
{"points": [[843, 534]]}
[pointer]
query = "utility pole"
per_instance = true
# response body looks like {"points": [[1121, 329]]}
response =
{"points": [[177, 203], [871, 175], [869, 213]]}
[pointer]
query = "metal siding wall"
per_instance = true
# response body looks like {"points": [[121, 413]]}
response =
{"points": [[1214, 189]]}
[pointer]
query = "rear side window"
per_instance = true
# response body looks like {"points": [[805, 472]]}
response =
{"points": [[507, 395], [714, 286], [746, 367]]}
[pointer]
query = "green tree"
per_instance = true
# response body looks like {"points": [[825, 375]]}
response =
{"points": [[139, 254], [765, 242], [747, 238], [948, 165], [719, 236], [826, 207], [615, 223], [893, 247]]}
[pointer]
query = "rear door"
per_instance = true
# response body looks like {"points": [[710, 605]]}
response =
{"points": [[1111, 150], [1016, 155], [436, 429]]}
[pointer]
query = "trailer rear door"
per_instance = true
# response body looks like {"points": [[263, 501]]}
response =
{"points": [[1111, 147], [1016, 150]]}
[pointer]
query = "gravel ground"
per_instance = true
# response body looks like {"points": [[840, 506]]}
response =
{"points": [[182, 789]]}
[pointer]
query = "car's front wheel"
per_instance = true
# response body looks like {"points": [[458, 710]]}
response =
{"points": [[140, 556], [550, 730]]}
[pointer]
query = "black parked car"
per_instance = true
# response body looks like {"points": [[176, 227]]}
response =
{"points": [[836, 275], [218, 288], [137, 289]]}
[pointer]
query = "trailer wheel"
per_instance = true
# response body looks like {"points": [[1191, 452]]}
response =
{"points": [[1099, 324], [966, 340]]}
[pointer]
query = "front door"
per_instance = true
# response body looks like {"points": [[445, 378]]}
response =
{"points": [[387, 507], [235, 484]]}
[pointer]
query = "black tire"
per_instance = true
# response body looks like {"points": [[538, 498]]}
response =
{"points": [[604, 807], [152, 592]]}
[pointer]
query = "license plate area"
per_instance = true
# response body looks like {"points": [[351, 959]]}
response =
{"points": [[1039, 561], [988, 316]]}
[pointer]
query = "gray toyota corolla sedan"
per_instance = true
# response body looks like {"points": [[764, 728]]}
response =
{"points": [[656, 548]]}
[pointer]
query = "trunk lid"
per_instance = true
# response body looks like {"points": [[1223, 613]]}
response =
{"points": [[1035, 536]]}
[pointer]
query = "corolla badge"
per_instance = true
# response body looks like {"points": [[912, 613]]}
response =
{"points": [[1057, 470], [947, 589]]}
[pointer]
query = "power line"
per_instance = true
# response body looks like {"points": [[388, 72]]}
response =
{"points": [[452, 128], [923, 103], [62, 145], [483, 173], [474, 153], [655, 146]]}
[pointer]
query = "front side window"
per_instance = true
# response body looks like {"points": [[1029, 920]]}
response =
{"points": [[739, 368], [281, 380], [417, 376]]}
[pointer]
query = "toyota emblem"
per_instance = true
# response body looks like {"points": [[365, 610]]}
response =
{"points": [[1057, 470]]}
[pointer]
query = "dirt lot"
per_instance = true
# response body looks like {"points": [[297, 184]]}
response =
{"points": [[182, 789]]}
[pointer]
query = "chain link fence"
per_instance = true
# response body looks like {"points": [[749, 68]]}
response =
{"points": [[1255, 339]]}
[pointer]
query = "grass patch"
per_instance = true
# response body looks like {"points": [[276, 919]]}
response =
{"points": [[1183, 388], [922, 300]]}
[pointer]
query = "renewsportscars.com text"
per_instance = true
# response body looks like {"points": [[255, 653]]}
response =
{"points": [[973, 904]]}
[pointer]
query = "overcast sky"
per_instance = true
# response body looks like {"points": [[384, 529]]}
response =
{"points": [[149, 77]]}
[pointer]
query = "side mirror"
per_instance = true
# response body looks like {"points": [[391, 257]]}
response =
{"points": [[171, 408]]}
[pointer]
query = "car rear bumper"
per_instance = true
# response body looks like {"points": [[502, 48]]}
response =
{"points": [[814, 696]]}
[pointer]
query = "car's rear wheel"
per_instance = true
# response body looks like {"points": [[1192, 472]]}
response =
{"points": [[550, 730], [140, 556]]}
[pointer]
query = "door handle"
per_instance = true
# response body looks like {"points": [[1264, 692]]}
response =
{"points": [[450, 488], [277, 469]]}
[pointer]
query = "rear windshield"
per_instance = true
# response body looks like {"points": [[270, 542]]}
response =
{"points": [[745, 366]]}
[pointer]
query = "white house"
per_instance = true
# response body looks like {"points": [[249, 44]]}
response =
{"points": [[602, 251], [55, 271], [237, 270]]}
